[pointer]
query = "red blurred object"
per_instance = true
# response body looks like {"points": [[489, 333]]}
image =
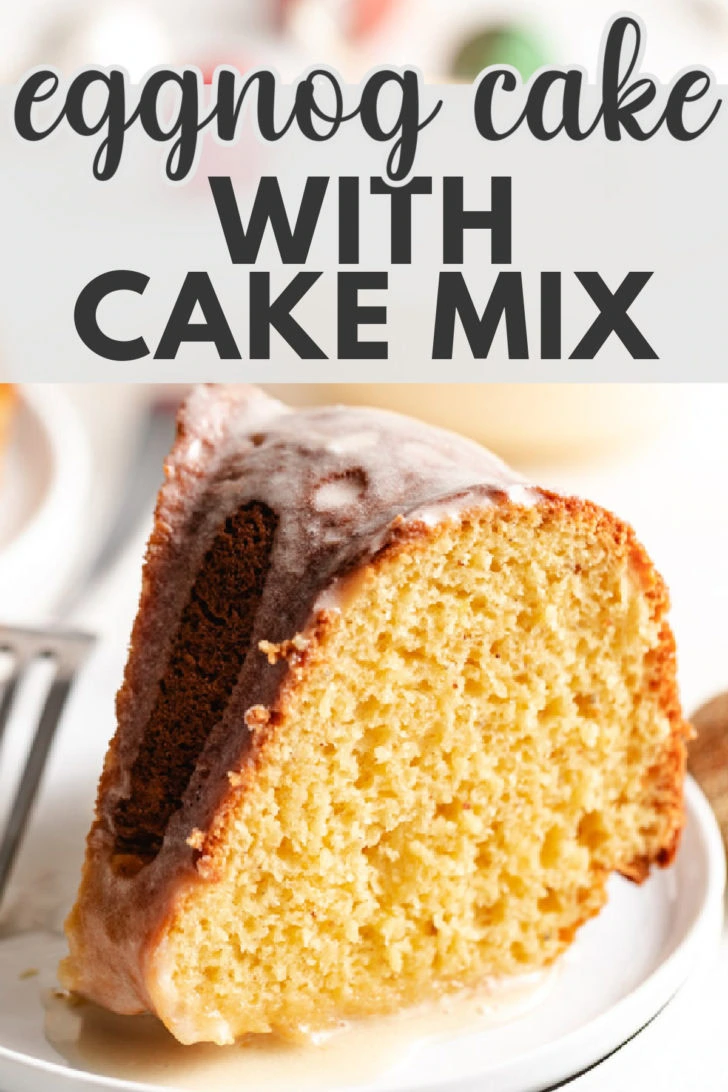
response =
{"points": [[367, 14], [364, 16], [284, 6]]}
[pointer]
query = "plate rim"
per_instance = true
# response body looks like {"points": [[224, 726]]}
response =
{"points": [[612, 1028]]}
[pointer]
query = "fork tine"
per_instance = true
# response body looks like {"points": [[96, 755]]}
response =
{"points": [[69, 651], [8, 693]]}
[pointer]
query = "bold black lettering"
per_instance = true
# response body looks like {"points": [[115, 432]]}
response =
{"points": [[265, 313], [112, 117], [185, 121], [400, 214], [268, 207], [228, 106], [307, 107], [349, 220], [197, 290], [33, 91], [613, 317], [505, 301], [352, 315], [621, 100], [483, 103], [569, 83], [550, 316], [497, 219], [407, 125], [690, 87], [86, 319]]}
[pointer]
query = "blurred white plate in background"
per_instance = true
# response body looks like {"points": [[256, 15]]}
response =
{"points": [[44, 516]]}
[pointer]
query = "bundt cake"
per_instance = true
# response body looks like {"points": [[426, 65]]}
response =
{"points": [[391, 717]]}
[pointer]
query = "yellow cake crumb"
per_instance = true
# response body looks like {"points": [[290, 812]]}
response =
{"points": [[480, 741]]}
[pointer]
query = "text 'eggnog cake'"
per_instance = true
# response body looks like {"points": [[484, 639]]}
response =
{"points": [[390, 719]]}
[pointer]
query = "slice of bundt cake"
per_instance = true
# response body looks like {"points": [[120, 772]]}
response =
{"points": [[390, 719]]}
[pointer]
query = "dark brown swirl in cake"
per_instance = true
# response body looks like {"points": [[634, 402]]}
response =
{"points": [[264, 511]]}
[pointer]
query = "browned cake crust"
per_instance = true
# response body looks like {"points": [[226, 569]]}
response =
{"points": [[264, 520]]}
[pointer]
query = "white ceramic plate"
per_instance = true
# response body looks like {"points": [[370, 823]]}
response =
{"points": [[44, 491], [624, 968]]}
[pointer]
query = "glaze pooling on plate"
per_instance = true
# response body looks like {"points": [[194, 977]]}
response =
{"points": [[138, 1048]]}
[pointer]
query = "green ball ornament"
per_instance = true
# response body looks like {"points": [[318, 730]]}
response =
{"points": [[497, 45]]}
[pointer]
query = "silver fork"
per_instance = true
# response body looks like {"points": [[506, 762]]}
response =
{"points": [[69, 648]]}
